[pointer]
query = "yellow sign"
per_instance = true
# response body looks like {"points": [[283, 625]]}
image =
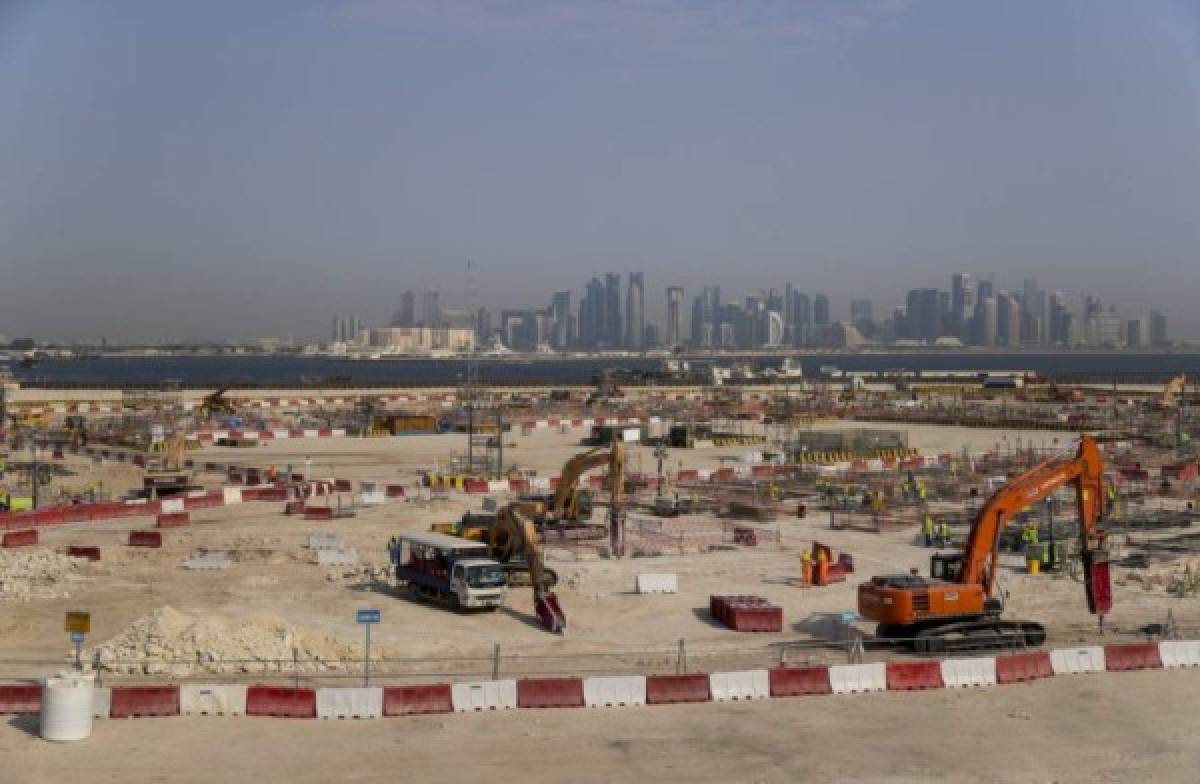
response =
{"points": [[79, 622]]}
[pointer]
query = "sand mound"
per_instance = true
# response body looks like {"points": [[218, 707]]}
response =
{"points": [[168, 641]]}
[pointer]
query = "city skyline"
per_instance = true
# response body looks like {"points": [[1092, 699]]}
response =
{"points": [[971, 312]]}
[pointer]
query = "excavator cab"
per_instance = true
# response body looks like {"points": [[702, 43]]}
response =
{"points": [[946, 566]]}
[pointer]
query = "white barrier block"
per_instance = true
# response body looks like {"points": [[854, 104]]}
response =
{"points": [[310, 434], [220, 434], [102, 702], [366, 703], [214, 560], [614, 691], [1179, 653], [657, 583], [964, 673], [484, 695], [373, 498], [497, 485], [278, 434], [172, 505], [347, 557], [212, 699], [233, 495], [744, 685], [326, 542], [1072, 661], [540, 483], [338, 432], [852, 678]]}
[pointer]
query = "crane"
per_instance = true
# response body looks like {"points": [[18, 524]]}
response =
{"points": [[1171, 392], [957, 604]]}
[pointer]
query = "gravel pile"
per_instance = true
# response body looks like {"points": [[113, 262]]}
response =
{"points": [[27, 575]]}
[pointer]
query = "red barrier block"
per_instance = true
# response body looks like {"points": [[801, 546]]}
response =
{"points": [[324, 432], [139, 701], [293, 508], [1019, 667], [796, 681], [410, 700], [1132, 656], [282, 702], [550, 693], [20, 698], [26, 538], [394, 491], [914, 675], [145, 539], [174, 520], [90, 553], [476, 486], [665, 689], [318, 513], [343, 485]]}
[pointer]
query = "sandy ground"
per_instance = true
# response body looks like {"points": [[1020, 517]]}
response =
{"points": [[1091, 728]]}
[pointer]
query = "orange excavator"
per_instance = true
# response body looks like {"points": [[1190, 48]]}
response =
{"points": [[957, 606]]}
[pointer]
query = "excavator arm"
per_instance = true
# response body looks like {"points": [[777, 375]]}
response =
{"points": [[514, 530], [566, 495], [1085, 471]]}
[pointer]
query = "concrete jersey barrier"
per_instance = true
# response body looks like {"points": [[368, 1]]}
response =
{"points": [[858, 678], [350, 703], [967, 673], [1073, 661], [212, 699], [614, 691], [484, 695], [743, 685]]}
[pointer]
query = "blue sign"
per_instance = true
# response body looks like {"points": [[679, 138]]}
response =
{"points": [[76, 637], [367, 616]]}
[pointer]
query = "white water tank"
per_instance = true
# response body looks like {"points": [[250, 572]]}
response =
{"points": [[67, 706]]}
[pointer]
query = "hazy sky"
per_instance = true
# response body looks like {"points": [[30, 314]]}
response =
{"points": [[239, 168]]}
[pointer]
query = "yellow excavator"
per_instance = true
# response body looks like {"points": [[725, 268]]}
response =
{"points": [[1171, 392], [515, 533]]}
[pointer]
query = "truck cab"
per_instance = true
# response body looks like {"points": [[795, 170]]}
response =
{"points": [[448, 568]]}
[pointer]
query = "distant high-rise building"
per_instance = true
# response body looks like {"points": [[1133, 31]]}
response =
{"points": [[431, 310], [862, 311], [614, 332], [962, 304], [593, 310], [483, 325], [1008, 319], [774, 329], [635, 311], [674, 316], [1060, 320], [560, 319], [1158, 328], [704, 317], [802, 318], [405, 315], [986, 319], [1137, 332], [923, 319], [821, 311]]}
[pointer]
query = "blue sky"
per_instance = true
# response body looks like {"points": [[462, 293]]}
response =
{"points": [[231, 169]]}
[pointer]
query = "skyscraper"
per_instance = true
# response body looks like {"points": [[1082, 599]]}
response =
{"points": [[431, 311], [592, 311], [405, 315], [962, 304], [1158, 328], [821, 311], [801, 319], [704, 317], [560, 318], [674, 316], [613, 327], [635, 311]]}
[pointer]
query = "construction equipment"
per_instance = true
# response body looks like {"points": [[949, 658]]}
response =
{"points": [[216, 403], [569, 503], [957, 606], [513, 533], [1171, 392]]}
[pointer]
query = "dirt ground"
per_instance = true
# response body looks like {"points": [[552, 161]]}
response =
{"points": [[1116, 727], [272, 580]]}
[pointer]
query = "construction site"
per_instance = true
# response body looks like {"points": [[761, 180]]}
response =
{"points": [[236, 537]]}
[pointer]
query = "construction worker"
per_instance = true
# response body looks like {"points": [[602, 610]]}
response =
{"points": [[1111, 491], [921, 490], [822, 568], [927, 527], [1030, 536], [806, 567], [4, 501], [943, 534]]}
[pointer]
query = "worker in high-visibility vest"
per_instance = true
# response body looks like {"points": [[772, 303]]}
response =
{"points": [[822, 568], [806, 567], [927, 527], [943, 534], [1030, 536], [1111, 491], [921, 490]]}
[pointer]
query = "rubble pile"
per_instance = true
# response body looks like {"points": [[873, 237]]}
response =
{"points": [[170, 642], [27, 575]]}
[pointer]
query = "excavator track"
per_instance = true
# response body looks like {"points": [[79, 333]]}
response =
{"points": [[974, 635]]}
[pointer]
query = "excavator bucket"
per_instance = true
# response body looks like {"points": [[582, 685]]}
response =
{"points": [[550, 613]]}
